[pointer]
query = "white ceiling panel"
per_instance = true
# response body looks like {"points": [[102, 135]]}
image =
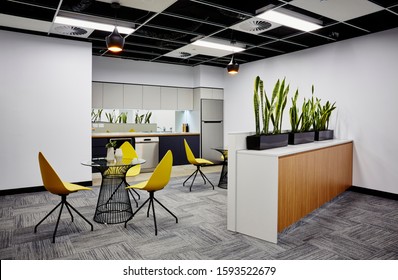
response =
{"points": [[156, 6], [340, 10], [24, 23]]}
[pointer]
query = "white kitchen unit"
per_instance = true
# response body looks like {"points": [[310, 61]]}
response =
{"points": [[206, 93], [168, 98], [185, 99], [112, 96], [97, 94], [151, 98], [269, 190], [132, 96]]}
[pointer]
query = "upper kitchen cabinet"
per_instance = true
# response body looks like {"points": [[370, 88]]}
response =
{"points": [[168, 98], [112, 96], [206, 93], [132, 96], [151, 97], [97, 94], [185, 99]]}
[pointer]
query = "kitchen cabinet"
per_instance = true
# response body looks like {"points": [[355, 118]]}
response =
{"points": [[206, 93], [132, 96], [185, 99], [97, 93], [168, 98], [176, 145], [151, 97], [112, 96]]}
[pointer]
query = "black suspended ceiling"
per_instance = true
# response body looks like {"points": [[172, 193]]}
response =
{"points": [[165, 29]]}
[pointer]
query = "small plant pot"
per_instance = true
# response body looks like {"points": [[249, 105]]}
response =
{"points": [[323, 135], [266, 141], [296, 138]]}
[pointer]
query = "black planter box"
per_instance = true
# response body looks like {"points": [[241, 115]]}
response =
{"points": [[301, 137], [323, 135], [266, 141]]}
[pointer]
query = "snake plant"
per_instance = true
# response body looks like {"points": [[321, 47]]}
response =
{"points": [[322, 115], [271, 109]]}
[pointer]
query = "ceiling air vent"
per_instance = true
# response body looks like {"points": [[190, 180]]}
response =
{"points": [[69, 30], [255, 25]]}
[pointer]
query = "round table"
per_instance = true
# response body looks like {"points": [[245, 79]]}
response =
{"points": [[223, 183], [113, 204]]}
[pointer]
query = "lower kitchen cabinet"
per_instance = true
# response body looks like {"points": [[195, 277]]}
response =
{"points": [[176, 145]]}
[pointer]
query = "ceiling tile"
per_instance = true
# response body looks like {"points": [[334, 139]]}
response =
{"points": [[340, 10], [146, 5], [376, 22], [24, 23]]}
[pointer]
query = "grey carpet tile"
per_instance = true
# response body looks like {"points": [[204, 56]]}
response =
{"points": [[122, 251], [307, 252], [344, 247], [373, 235], [44, 249], [352, 226]]}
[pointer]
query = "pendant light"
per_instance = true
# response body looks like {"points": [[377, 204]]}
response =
{"points": [[114, 41], [233, 66]]}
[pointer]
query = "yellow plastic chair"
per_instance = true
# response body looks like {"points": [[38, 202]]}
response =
{"points": [[130, 153], [54, 185], [198, 162], [158, 180]]}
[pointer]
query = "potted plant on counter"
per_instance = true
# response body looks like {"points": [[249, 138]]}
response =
{"points": [[267, 111], [302, 124], [321, 121]]}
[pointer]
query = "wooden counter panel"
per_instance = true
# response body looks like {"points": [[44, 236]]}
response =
{"points": [[308, 180]]}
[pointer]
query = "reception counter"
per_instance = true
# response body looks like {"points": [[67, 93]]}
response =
{"points": [[271, 189]]}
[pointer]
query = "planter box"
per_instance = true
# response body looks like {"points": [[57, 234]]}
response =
{"points": [[323, 135], [301, 137], [266, 141]]}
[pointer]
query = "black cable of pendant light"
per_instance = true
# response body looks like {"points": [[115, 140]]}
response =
{"points": [[114, 41]]}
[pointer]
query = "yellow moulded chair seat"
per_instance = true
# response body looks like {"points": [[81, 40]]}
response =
{"points": [[158, 180], [130, 153], [198, 162], [55, 185]]}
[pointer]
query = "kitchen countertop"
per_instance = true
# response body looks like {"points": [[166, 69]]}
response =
{"points": [[140, 134]]}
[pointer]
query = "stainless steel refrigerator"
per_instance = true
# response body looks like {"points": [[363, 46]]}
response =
{"points": [[212, 128]]}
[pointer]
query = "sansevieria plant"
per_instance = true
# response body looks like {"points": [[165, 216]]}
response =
{"points": [[271, 109], [322, 115]]}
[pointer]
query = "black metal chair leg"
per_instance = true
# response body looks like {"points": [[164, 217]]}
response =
{"points": [[80, 214], [196, 171], [42, 220], [149, 206], [70, 213], [59, 216], [166, 209], [139, 197], [206, 178], [132, 195], [132, 216], [190, 188], [153, 211]]}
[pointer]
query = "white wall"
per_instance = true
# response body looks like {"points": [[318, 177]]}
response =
{"points": [[106, 69], [360, 75], [45, 103]]}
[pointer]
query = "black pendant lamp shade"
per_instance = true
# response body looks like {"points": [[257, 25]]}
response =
{"points": [[115, 41], [233, 66]]}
